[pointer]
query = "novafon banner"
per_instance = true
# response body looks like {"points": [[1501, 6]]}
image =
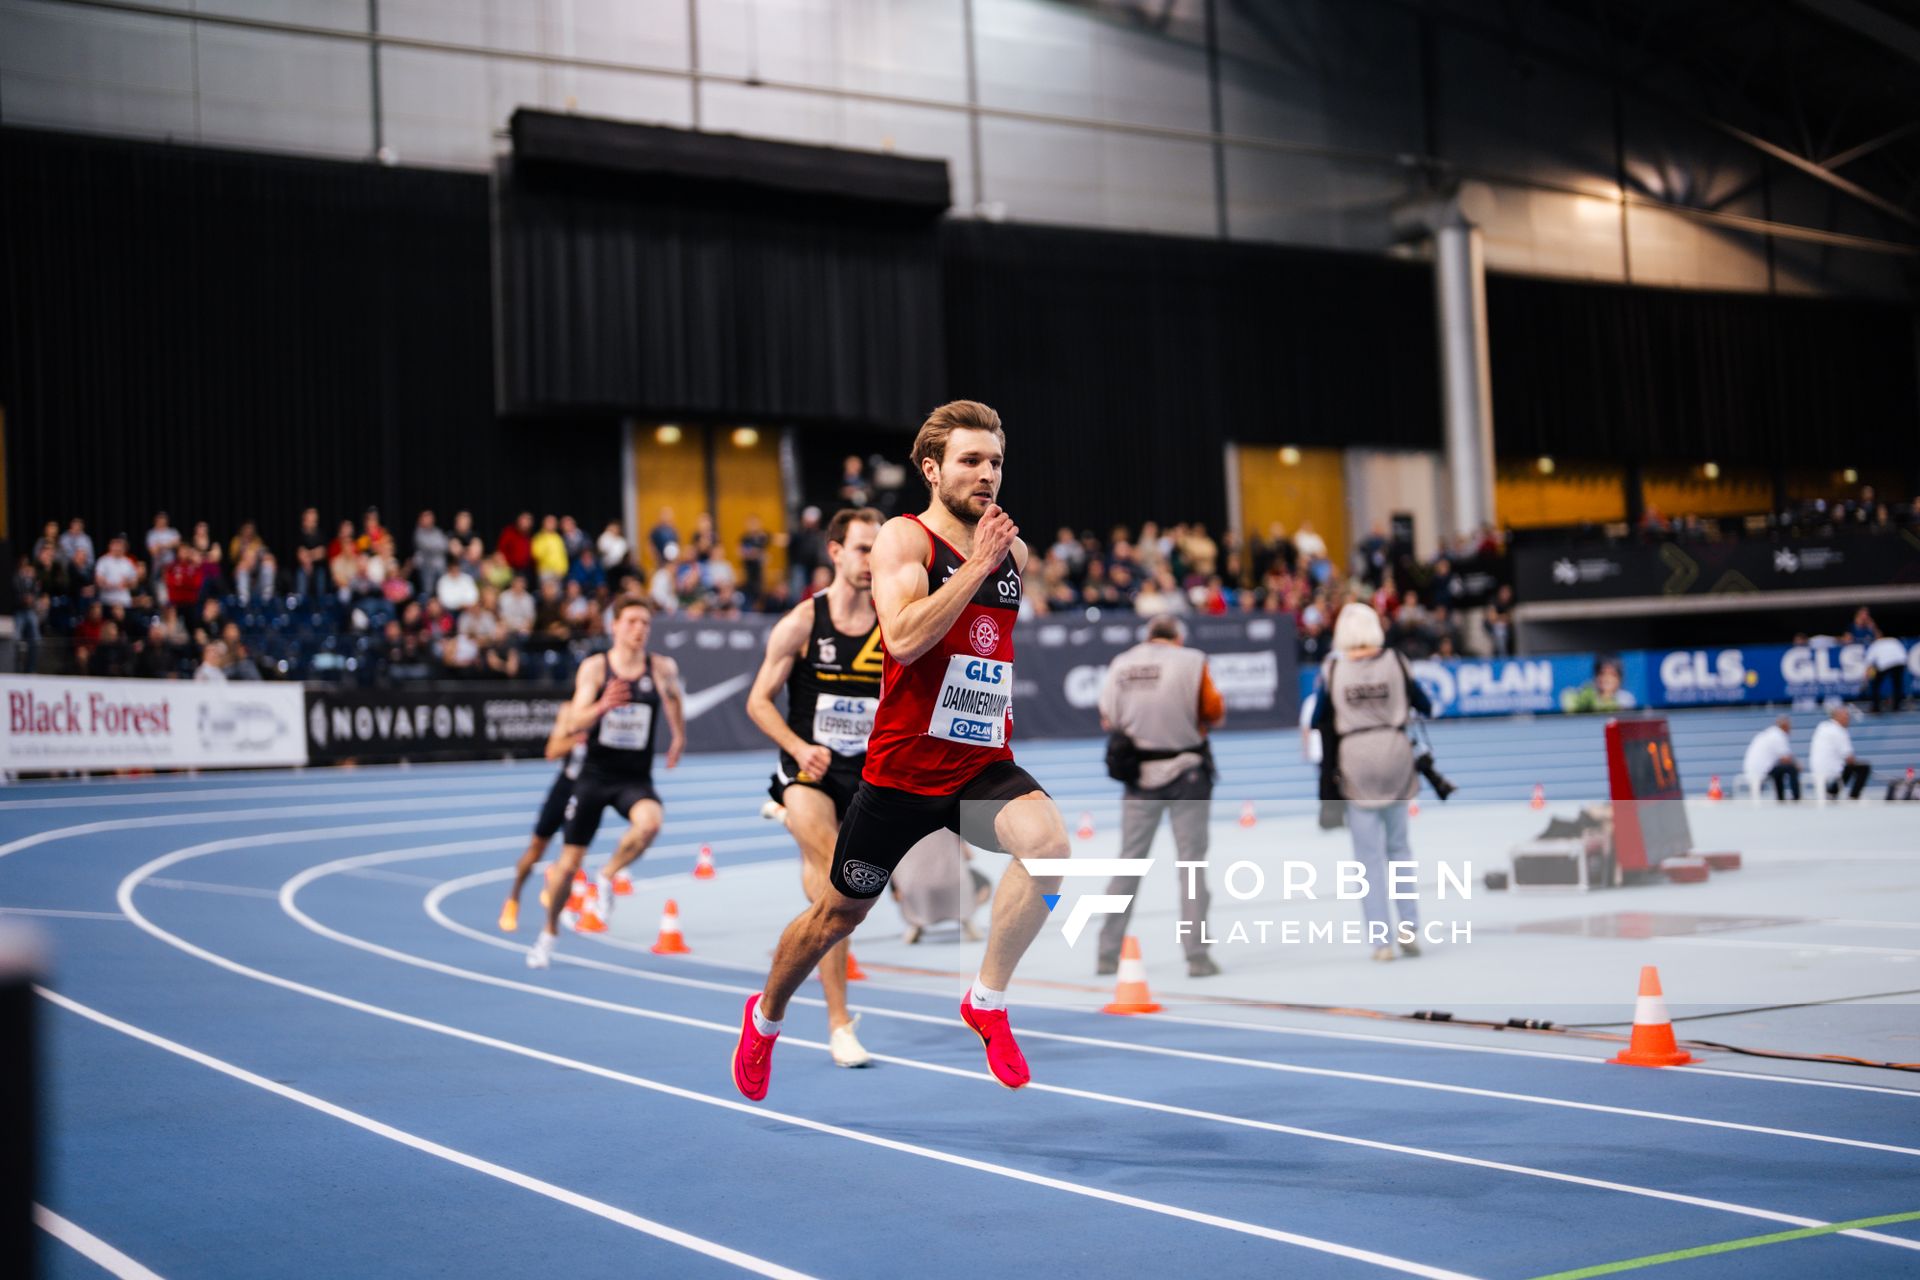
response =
{"points": [[58, 723]]}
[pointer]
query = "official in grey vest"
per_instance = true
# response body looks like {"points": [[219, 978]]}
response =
{"points": [[1367, 692], [1159, 694]]}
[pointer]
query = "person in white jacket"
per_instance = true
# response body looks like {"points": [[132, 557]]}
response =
{"points": [[1770, 759], [1886, 666], [1834, 763]]}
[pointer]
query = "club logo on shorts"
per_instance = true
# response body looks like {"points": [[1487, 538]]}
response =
{"points": [[984, 635], [864, 877]]}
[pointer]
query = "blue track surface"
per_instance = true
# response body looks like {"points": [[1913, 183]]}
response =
{"points": [[266, 1056]]}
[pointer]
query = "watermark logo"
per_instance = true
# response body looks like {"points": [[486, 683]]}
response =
{"points": [[1092, 904]]}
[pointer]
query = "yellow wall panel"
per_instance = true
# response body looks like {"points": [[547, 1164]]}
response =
{"points": [[1313, 490], [746, 479], [1525, 499], [668, 475], [1683, 491]]}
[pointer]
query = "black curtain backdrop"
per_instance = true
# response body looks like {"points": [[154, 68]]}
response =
{"points": [[236, 336], [1123, 364], [714, 301], [1609, 371]]}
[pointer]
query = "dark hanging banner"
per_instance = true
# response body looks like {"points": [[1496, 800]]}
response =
{"points": [[1601, 571], [658, 272]]}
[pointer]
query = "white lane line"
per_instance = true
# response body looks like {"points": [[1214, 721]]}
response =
{"points": [[88, 1245], [526, 1182], [242, 815], [59, 914], [393, 877], [291, 890], [133, 879], [1771, 944], [204, 886], [435, 909]]}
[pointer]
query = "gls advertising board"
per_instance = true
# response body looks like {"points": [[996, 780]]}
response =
{"points": [[1803, 675], [56, 723]]}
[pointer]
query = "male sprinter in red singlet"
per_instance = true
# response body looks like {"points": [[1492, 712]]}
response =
{"points": [[561, 742], [946, 587], [827, 653], [617, 700]]}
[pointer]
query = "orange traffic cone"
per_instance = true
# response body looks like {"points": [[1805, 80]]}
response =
{"points": [[590, 921], [1713, 789], [671, 942], [1413, 808], [854, 972], [1086, 827], [1131, 995], [1652, 1044], [1247, 815], [703, 865], [622, 884], [1539, 800]]}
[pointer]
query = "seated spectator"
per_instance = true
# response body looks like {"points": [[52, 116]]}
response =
{"points": [[1886, 668], [613, 547], [462, 542], [1832, 758], [1499, 622], [184, 577], [517, 606], [754, 541], [515, 545], [112, 657], [76, 547], [586, 571], [497, 571], [153, 657], [1160, 596], [1312, 549], [456, 590], [213, 665], [549, 619], [1862, 629], [239, 661], [664, 537], [213, 575], [574, 536], [310, 557], [549, 550], [660, 588], [163, 541], [430, 550], [116, 574], [1770, 759]]}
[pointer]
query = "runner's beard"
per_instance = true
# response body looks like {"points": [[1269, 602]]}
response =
{"points": [[958, 502]]}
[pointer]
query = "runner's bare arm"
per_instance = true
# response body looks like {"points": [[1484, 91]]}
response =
{"points": [[674, 699], [585, 707], [563, 739], [785, 644], [911, 618]]}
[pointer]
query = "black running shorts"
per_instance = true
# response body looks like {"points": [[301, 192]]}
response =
{"points": [[553, 810], [883, 823], [840, 784], [593, 794]]}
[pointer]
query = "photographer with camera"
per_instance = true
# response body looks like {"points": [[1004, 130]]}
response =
{"points": [[1157, 704], [1368, 768]]}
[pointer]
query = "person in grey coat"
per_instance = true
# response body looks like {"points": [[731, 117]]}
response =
{"points": [[1367, 694], [1161, 697]]}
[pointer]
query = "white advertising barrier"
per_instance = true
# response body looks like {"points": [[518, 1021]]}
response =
{"points": [[55, 723]]}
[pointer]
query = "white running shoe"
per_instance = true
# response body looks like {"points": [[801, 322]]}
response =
{"points": [[846, 1047], [540, 954]]}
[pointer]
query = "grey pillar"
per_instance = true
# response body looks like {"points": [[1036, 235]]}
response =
{"points": [[1460, 297]]}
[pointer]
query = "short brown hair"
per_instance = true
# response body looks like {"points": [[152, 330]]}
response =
{"points": [[624, 603], [964, 415], [849, 516]]}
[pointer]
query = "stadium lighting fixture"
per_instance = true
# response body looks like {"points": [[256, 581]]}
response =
{"points": [[669, 434]]}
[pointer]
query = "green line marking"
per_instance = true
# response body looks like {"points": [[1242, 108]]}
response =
{"points": [[1728, 1246]]}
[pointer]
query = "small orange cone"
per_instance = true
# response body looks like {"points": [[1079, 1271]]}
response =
{"points": [[703, 865], [1086, 827], [1713, 789], [1247, 815], [1131, 994], [1413, 808], [622, 884], [1539, 796], [854, 972], [1652, 1044], [590, 920], [671, 942]]}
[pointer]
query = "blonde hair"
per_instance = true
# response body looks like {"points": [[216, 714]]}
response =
{"points": [[1358, 627], [955, 415]]}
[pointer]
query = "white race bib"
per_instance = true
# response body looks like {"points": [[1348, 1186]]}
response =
{"points": [[842, 725], [973, 702], [628, 727]]}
